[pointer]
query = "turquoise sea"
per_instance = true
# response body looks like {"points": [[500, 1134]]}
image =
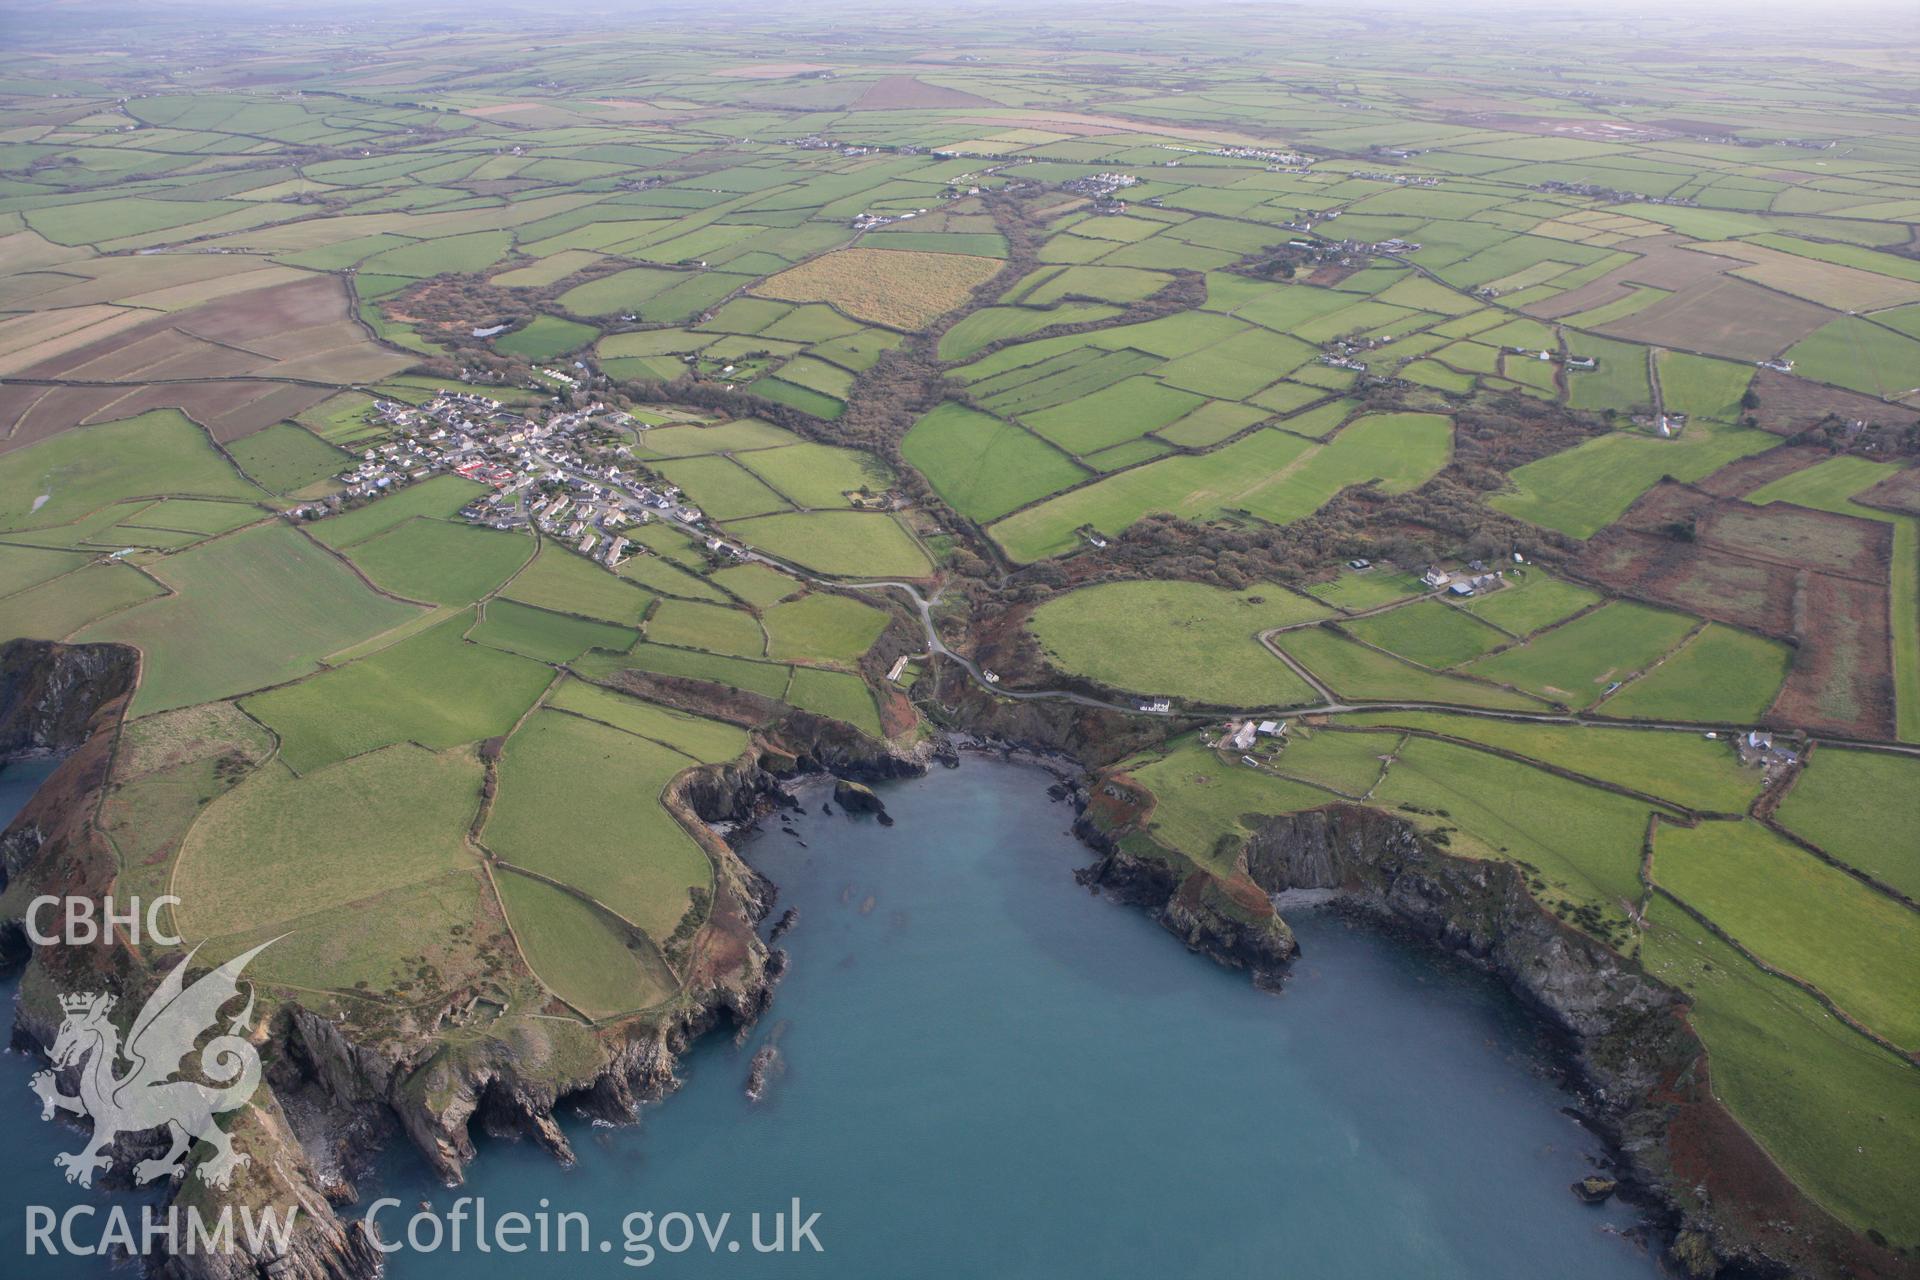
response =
{"points": [[989, 1071]]}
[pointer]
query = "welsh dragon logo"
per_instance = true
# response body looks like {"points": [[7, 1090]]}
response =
{"points": [[146, 1096]]}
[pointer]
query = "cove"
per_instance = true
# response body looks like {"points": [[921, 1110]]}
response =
{"points": [[991, 1072]]}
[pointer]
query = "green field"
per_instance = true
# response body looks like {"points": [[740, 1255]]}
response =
{"points": [[544, 635], [722, 488], [584, 955], [1429, 633], [390, 819], [757, 584], [546, 337], [693, 736], [1799, 914], [1856, 353], [79, 471], [1180, 639], [1530, 600], [1111, 415], [1702, 388], [1684, 768], [440, 498], [982, 466], [1356, 672], [55, 610], [474, 251], [996, 324], [1835, 1110], [613, 842], [688, 441], [1201, 798], [1722, 675], [284, 458], [690, 624], [836, 694], [23, 567], [1184, 486], [657, 574], [1583, 844], [817, 475], [250, 610], [1350, 763], [823, 627], [1396, 450], [769, 679], [567, 583], [1847, 801], [841, 544], [1574, 664], [1582, 490], [1270, 474], [434, 689], [1367, 589], [440, 562]]}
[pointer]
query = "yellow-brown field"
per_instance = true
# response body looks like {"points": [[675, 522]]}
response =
{"points": [[899, 288]]}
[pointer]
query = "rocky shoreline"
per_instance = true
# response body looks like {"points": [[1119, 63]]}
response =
{"points": [[1634, 1061], [331, 1099], [1631, 1058]]}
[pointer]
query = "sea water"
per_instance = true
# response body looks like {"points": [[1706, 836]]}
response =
{"points": [[989, 1071]]}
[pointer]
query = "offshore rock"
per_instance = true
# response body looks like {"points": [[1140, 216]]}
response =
{"points": [[1594, 1189], [855, 797]]}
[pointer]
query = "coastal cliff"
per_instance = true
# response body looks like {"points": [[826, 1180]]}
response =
{"points": [[334, 1089], [337, 1085], [50, 693], [1640, 1072], [1232, 929]]}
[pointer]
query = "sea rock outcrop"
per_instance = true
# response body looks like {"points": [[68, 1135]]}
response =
{"points": [[857, 797]]}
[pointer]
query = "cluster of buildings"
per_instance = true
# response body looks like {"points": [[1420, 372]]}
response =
{"points": [[1612, 195], [544, 473], [1344, 353], [1664, 425], [1345, 253], [1241, 735], [1292, 159], [1100, 186], [452, 432], [1585, 363], [1398, 179], [1758, 748], [815, 142], [1477, 579], [868, 221]]}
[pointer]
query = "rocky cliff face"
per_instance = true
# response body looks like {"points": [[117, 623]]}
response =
{"points": [[330, 1090], [1478, 908], [1641, 1070], [1194, 907], [50, 693]]}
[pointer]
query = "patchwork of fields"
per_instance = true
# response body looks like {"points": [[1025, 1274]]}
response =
{"points": [[473, 442]]}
